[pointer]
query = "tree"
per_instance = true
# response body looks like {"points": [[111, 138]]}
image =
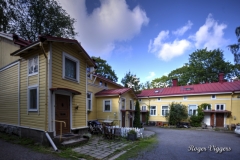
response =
{"points": [[235, 48], [182, 74], [136, 121], [178, 112], [104, 69], [130, 80], [204, 66], [3, 16], [161, 82], [29, 19]]}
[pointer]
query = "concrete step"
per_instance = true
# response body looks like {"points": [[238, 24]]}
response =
{"points": [[74, 142]]}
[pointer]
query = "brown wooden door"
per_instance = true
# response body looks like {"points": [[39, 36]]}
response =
{"points": [[143, 117], [212, 119], [130, 119], [62, 113], [219, 119], [123, 119]]}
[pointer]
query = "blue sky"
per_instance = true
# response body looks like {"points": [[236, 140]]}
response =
{"points": [[151, 38]]}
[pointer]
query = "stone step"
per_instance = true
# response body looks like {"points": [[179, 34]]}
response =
{"points": [[73, 142]]}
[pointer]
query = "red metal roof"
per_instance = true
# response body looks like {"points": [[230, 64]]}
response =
{"points": [[207, 88], [115, 92]]}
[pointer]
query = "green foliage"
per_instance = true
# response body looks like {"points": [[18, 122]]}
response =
{"points": [[205, 65], [235, 49], [3, 16], [104, 69], [131, 79], [182, 74], [161, 82], [178, 112], [29, 19], [196, 120], [132, 132], [136, 121]]}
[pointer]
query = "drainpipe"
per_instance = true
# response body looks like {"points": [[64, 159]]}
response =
{"points": [[231, 108], [119, 110], [46, 89]]}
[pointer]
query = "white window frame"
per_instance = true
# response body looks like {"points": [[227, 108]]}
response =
{"points": [[185, 97], [192, 110], [131, 104], [220, 107], [158, 98], [214, 96], [144, 108], [104, 105], [100, 83], [28, 97], [208, 108], [140, 100], [124, 103], [152, 109], [164, 110], [89, 109], [64, 56], [89, 74], [36, 56]]}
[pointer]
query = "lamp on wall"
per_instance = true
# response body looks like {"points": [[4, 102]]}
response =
{"points": [[234, 117], [76, 107], [115, 115]]}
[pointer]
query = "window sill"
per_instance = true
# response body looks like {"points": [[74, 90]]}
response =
{"points": [[32, 74], [72, 80], [107, 111], [32, 110]]}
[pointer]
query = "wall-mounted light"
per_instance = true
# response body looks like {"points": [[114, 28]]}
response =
{"points": [[76, 107], [115, 115], [234, 117]]}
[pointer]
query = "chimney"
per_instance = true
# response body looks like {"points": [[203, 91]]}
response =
{"points": [[175, 82], [221, 77]]}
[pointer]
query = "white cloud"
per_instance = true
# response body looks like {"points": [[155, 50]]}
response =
{"points": [[151, 75], [210, 34], [168, 50], [112, 21], [181, 31]]}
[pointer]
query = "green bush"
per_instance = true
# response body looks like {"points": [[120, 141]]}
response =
{"points": [[178, 112], [196, 120]]}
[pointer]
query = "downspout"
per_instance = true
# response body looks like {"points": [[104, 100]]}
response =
{"points": [[45, 55], [231, 108], [86, 98], [19, 93], [119, 110], [46, 88]]}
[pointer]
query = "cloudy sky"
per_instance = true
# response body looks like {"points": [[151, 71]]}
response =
{"points": [[152, 38]]}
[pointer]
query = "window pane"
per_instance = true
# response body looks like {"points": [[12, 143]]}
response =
{"points": [[33, 99], [164, 107], [217, 107], [70, 68], [221, 107], [88, 95], [89, 104], [107, 105], [163, 112]]}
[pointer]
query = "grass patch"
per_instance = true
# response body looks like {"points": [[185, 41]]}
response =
{"points": [[137, 146]]}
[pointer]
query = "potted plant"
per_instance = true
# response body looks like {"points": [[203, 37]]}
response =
{"points": [[132, 135]]}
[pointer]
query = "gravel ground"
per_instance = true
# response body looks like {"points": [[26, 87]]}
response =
{"points": [[175, 144], [9, 151]]}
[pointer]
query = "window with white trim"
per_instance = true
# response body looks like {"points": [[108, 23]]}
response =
{"points": [[144, 108], [184, 97], [192, 110], [33, 98], [165, 110], [158, 99], [107, 106], [153, 110], [89, 75], [140, 100], [123, 103], [100, 83], [213, 96], [70, 67], [89, 101], [33, 66], [130, 105], [220, 107], [207, 107]]}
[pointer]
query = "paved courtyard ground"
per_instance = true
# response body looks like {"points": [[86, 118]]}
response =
{"points": [[183, 144]]}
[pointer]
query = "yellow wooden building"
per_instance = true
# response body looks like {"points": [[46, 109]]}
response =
{"points": [[223, 97], [45, 88]]}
